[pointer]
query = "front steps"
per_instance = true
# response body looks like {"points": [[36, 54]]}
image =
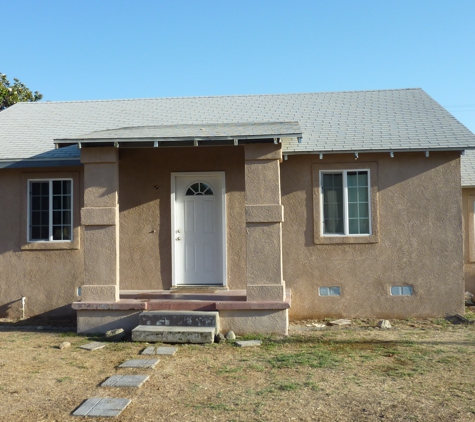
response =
{"points": [[177, 327]]}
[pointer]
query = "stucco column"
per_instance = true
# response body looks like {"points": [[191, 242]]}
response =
{"points": [[100, 218], [264, 217]]}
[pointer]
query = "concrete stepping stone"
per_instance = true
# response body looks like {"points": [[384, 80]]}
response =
{"points": [[248, 343], [102, 407], [126, 381], [148, 351], [139, 363], [166, 351], [341, 322], [93, 346]]}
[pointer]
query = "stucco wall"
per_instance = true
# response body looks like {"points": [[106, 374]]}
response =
{"points": [[468, 195], [145, 219], [48, 278], [420, 241]]}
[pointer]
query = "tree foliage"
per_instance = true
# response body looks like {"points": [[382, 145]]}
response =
{"points": [[14, 93]]}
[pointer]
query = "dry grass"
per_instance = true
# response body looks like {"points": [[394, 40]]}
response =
{"points": [[418, 371]]}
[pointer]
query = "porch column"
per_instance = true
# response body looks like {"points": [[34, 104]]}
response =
{"points": [[100, 218], [264, 217]]}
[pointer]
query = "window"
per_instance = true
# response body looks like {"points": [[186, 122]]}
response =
{"points": [[401, 291], [199, 188], [329, 291], [345, 202], [50, 210]]}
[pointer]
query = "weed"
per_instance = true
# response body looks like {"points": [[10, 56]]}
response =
{"points": [[228, 370], [62, 379], [288, 386]]}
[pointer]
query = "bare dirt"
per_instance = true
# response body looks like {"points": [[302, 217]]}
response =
{"points": [[416, 371]]}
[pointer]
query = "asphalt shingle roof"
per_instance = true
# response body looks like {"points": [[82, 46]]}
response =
{"points": [[468, 169], [405, 119], [196, 131]]}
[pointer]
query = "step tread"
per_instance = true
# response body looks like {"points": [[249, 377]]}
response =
{"points": [[197, 313]]}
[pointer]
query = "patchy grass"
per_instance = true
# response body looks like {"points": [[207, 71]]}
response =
{"points": [[418, 371]]}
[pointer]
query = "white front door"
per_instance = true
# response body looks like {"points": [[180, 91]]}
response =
{"points": [[198, 229]]}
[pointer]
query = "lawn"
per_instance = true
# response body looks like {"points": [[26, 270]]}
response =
{"points": [[417, 371]]}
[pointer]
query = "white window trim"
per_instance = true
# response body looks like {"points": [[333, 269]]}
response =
{"points": [[345, 204], [50, 222]]}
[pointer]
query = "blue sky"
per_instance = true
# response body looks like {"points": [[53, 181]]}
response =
{"points": [[106, 49]]}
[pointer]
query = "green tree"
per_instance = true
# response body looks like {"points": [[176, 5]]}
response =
{"points": [[14, 93]]}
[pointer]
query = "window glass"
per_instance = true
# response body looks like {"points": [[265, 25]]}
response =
{"points": [[50, 213], [401, 291], [333, 203], [329, 291], [346, 207], [199, 188]]}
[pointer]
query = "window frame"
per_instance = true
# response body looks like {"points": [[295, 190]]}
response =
{"points": [[346, 219], [401, 289], [346, 163], [50, 210], [73, 173], [330, 291]]}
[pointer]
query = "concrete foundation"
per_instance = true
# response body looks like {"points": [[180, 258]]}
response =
{"points": [[100, 321], [263, 321]]}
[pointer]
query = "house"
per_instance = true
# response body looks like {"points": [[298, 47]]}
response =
{"points": [[468, 210], [260, 207]]}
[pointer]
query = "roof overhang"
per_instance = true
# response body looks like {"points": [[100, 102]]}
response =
{"points": [[190, 134]]}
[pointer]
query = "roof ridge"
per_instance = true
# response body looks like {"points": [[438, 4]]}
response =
{"points": [[221, 96]]}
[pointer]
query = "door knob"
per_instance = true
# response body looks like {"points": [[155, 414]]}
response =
{"points": [[178, 238]]}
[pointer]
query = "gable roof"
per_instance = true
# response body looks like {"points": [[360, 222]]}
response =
{"points": [[387, 120]]}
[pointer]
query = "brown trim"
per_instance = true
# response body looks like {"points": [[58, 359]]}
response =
{"points": [[319, 239], [25, 245]]}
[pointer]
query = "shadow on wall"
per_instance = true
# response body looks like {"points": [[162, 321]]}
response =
{"points": [[62, 316]]}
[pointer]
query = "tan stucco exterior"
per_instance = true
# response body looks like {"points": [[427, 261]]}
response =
{"points": [[416, 239], [468, 207], [145, 212], [420, 241], [46, 274]]}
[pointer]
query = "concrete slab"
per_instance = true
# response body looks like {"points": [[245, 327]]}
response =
{"points": [[148, 351], [341, 322], [140, 363], [197, 335], [248, 343], [127, 381], [93, 346], [166, 351], [102, 407]]}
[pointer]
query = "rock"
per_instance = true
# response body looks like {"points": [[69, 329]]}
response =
{"points": [[384, 323], [219, 338], [340, 322], [319, 325], [115, 335], [230, 335], [64, 345], [468, 296]]}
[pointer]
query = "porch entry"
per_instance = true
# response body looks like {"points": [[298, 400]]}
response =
{"points": [[198, 229]]}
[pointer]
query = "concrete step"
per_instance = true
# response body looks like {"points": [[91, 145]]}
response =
{"points": [[198, 319], [169, 334]]}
